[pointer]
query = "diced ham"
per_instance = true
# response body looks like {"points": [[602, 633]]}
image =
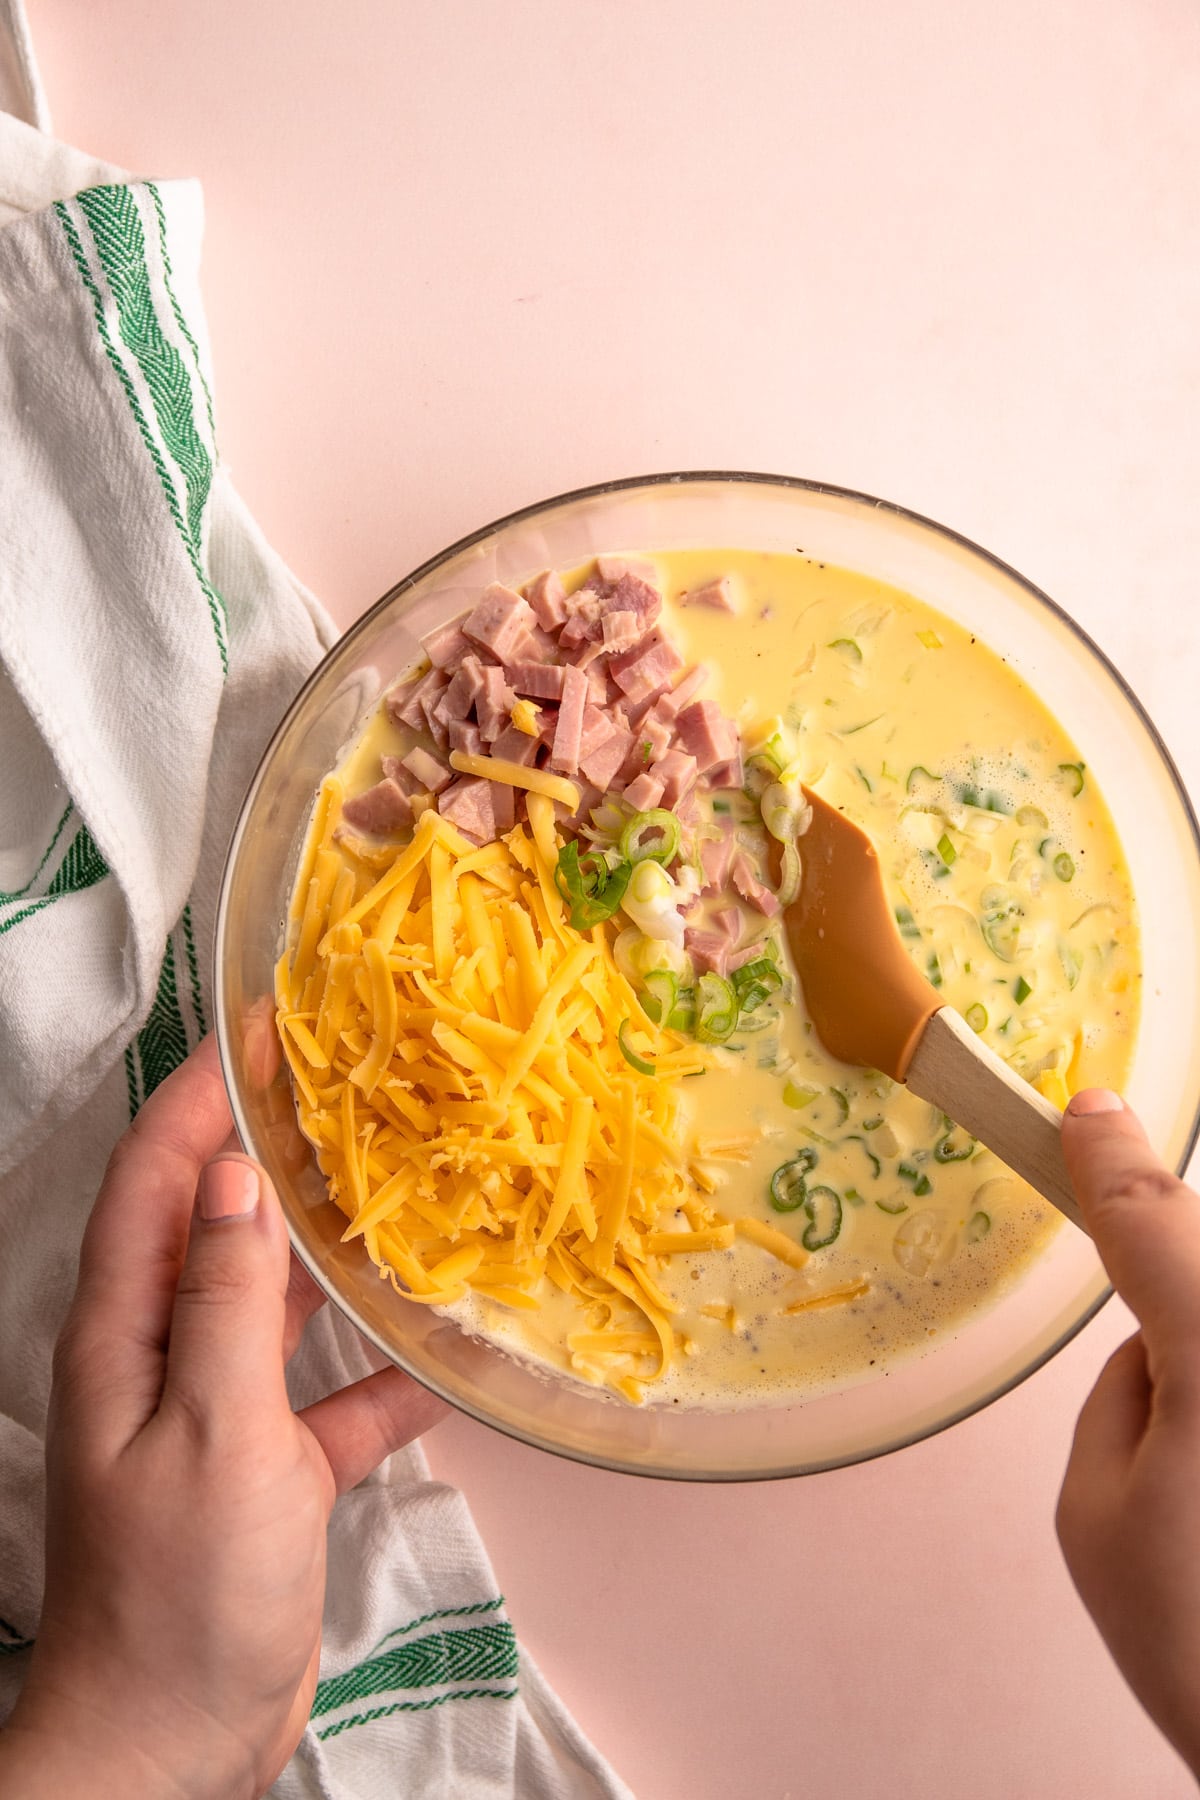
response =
{"points": [[405, 780], [706, 733], [677, 772], [435, 725], [595, 730], [647, 667], [468, 804], [709, 950], [432, 775], [465, 687], [658, 734], [747, 953], [493, 704], [503, 807], [404, 703], [578, 630], [383, 808], [604, 764], [446, 646], [541, 681], [613, 568], [564, 754], [729, 920], [589, 799], [499, 619], [716, 860], [465, 736], [645, 793], [716, 594], [516, 746], [672, 704], [751, 888], [621, 630], [728, 775], [546, 596]]}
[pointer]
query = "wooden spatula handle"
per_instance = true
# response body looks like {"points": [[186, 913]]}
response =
{"points": [[954, 1070]]}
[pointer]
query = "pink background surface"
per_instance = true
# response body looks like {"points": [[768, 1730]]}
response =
{"points": [[460, 257]]}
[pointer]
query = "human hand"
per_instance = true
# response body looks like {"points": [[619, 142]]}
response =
{"points": [[186, 1502], [1127, 1518]]}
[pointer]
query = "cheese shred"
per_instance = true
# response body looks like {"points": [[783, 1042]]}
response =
{"points": [[454, 1049]]}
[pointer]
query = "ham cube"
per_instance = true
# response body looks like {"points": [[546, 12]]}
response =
{"points": [[677, 772], [503, 807], [395, 771], [548, 599], [709, 950], [564, 754], [716, 860], [718, 595], [640, 672], [645, 793], [465, 736], [432, 774], [705, 733], [516, 746], [728, 775], [465, 686], [404, 702], [751, 888], [541, 681], [499, 620], [613, 569], [493, 704], [382, 809], [672, 704], [621, 630], [468, 805], [446, 646]]}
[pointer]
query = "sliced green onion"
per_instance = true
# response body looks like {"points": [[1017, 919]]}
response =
{"points": [[920, 771], [1064, 867], [591, 889], [789, 1184], [630, 1054], [1001, 923], [933, 970], [852, 1197], [721, 806], [848, 646], [908, 925], [843, 1105], [716, 1009], [1072, 774], [946, 1150], [930, 639], [873, 1124], [892, 1206], [824, 1210], [799, 1097], [755, 982], [1072, 963], [976, 1017], [978, 1226], [789, 881], [907, 1171], [653, 835], [658, 994], [870, 1155], [1044, 846], [1022, 990], [1032, 815], [922, 1186], [682, 1016], [864, 778], [852, 730], [946, 850]]}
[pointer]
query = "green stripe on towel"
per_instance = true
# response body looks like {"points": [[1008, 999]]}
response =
{"points": [[481, 1653], [399, 1706]]}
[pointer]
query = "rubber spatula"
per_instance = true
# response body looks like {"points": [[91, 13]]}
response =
{"points": [[870, 1005]]}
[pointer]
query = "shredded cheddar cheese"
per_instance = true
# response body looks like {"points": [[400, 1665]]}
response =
{"points": [[454, 1047]]}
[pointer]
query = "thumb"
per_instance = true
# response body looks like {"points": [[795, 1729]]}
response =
{"points": [[1146, 1223], [227, 1324]]}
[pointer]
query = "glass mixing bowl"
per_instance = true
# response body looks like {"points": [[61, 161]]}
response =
{"points": [[965, 1369]]}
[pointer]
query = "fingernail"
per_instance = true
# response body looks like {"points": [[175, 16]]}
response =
{"points": [[1095, 1100], [228, 1190]]}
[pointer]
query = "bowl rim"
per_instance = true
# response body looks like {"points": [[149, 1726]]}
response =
{"points": [[597, 490]]}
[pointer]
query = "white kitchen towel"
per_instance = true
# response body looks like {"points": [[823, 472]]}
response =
{"points": [[149, 638]]}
